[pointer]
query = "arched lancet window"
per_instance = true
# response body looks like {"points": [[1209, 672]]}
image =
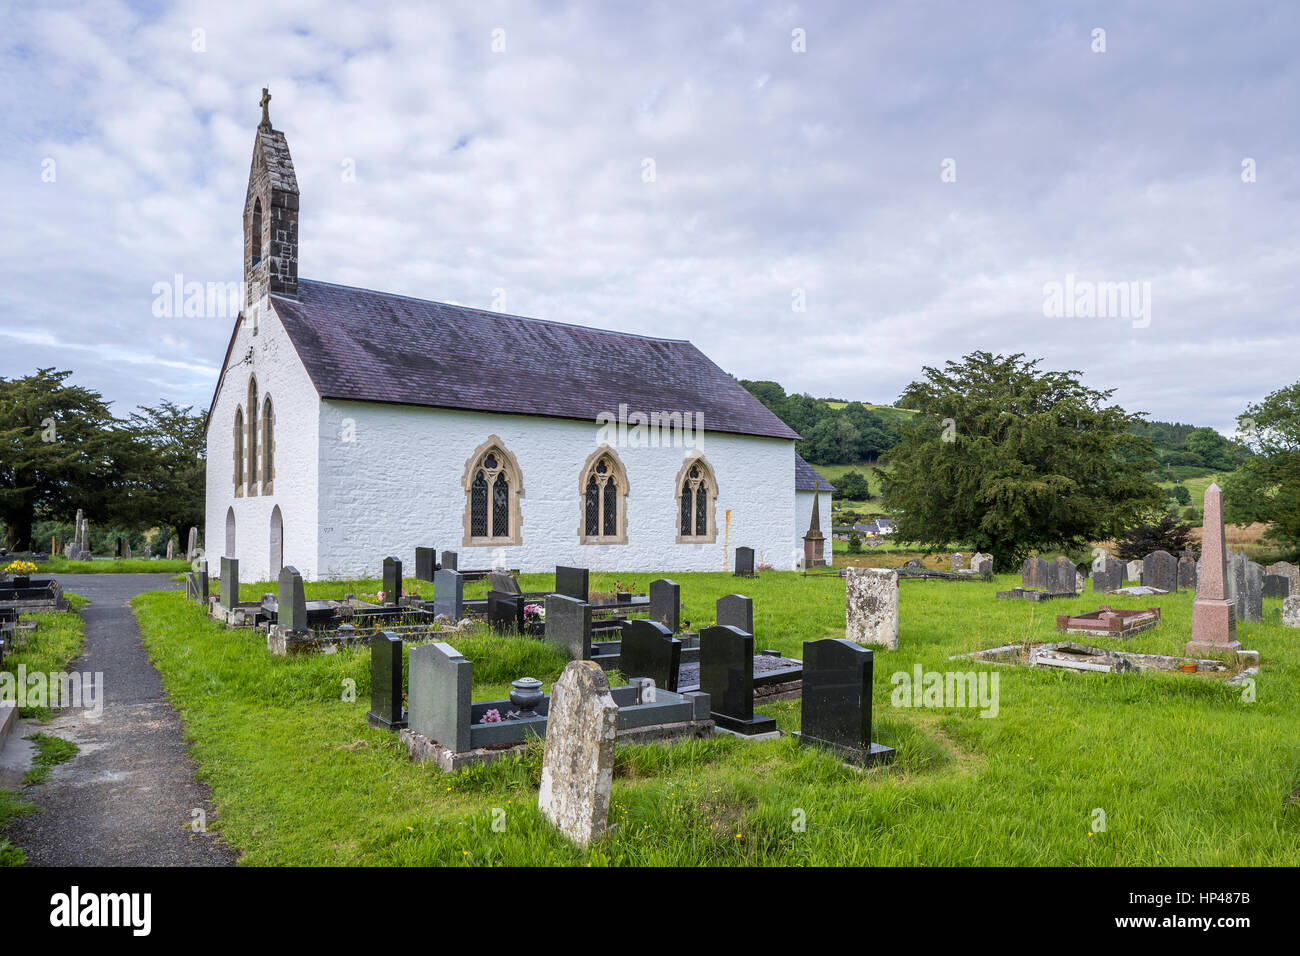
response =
{"points": [[603, 487], [268, 446], [239, 451], [493, 486], [697, 490], [252, 436], [255, 234]]}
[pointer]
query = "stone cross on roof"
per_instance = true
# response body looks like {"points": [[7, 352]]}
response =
{"points": [[265, 104]]}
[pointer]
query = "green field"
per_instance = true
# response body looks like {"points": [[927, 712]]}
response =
{"points": [[57, 564], [1186, 770]]}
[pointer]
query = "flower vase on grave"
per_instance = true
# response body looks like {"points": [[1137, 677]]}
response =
{"points": [[526, 694]]}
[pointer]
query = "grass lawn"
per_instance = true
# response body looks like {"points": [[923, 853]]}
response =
{"points": [[1187, 772], [57, 564]]}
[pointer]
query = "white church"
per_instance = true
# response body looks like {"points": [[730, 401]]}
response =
{"points": [[349, 424]]}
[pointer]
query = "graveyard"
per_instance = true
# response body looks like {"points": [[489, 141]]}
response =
{"points": [[1187, 771]]}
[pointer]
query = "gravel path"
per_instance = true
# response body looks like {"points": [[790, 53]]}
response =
{"points": [[127, 798]]}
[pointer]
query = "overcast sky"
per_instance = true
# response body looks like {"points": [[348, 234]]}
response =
{"points": [[800, 153]]}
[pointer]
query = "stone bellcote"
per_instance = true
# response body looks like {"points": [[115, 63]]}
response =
{"points": [[270, 216]]}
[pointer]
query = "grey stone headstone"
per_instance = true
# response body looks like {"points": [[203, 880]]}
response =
{"points": [[1036, 574], [736, 610], [438, 695], [578, 761], [1133, 571], [568, 625], [871, 606], [449, 559], [650, 650], [1246, 587], [386, 680], [292, 600], [666, 603], [1187, 572], [392, 581], [229, 582], [504, 582], [426, 563], [1107, 574], [449, 594], [203, 581], [1276, 586], [191, 586], [573, 582], [1160, 570], [744, 561], [956, 561], [192, 547], [1289, 571], [1064, 577], [981, 563], [1291, 611]]}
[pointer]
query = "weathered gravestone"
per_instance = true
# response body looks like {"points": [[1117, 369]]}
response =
{"points": [[573, 582], [291, 600], [1107, 574], [192, 547], [1291, 611], [745, 562], [386, 682], [727, 676], [448, 594], [981, 564], [1213, 615], [170, 553], [229, 583], [1160, 570], [392, 581], [568, 625], [504, 582], [426, 563], [578, 761], [449, 559], [1067, 578], [871, 606], [1246, 587], [1100, 555], [1036, 574], [956, 561], [1289, 571], [650, 650], [736, 610], [1187, 572], [1133, 571], [666, 604], [438, 694], [836, 706], [1276, 586]]}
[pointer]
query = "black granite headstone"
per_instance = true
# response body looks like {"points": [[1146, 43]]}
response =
{"points": [[505, 611], [737, 611], [229, 582], [650, 650], [449, 594], [426, 563], [836, 706], [572, 582], [392, 581], [666, 603], [449, 560], [568, 625], [745, 562], [386, 682], [291, 600], [1277, 586], [727, 676], [203, 581]]}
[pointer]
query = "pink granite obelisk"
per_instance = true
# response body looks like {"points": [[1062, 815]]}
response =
{"points": [[1214, 617]]}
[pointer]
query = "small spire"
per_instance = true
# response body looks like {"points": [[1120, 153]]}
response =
{"points": [[265, 104]]}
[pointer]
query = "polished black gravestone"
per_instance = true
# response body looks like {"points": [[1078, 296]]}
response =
{"points": [[745, 562], [737, 611], [386, 682], [727, 676], [291, 600], [572, 582], [505, 611], [650, 650], [836, 706], [449, 594], [202, 576], [666, 604], [426, 563], [392, 581], [449, 560], [229, 583]]}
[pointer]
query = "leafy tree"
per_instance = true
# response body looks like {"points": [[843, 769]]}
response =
{"points": [[1007, 459], [1266, 486], [853, 486], [168, 485], [1180, 494], [1165, 534], [855, 543]]}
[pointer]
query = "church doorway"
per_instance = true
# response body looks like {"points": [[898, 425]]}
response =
{"points": [[277, 542]]}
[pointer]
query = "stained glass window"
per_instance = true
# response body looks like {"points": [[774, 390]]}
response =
{"points": [[687, 508], [478, 509], [500, 506]]}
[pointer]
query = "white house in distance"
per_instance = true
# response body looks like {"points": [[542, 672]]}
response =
{"points": [[348, 425]]}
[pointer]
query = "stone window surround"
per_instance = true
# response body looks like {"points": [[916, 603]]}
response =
{"points": [[239, 430], [709, 480], [510, 468], [618, 477], [251, 443], [268, 446]]}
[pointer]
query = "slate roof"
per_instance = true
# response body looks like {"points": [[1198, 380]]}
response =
{"points": [[367, 346], [806, 476]]}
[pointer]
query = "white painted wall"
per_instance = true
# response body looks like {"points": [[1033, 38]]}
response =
{"points": [[397, 486], [803, 517], [280, 374]]}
